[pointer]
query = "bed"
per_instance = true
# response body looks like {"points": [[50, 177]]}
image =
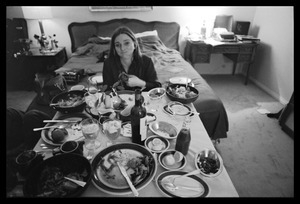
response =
{"points": [[158, 40]]}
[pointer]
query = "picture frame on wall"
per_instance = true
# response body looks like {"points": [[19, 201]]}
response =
{"points": [[120, 8]]}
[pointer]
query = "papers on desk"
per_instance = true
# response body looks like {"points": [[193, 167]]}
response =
{"points": [[195, 38], [213, 42]]}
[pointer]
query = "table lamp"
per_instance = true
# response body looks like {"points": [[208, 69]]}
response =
{"points": [[37, 12]]}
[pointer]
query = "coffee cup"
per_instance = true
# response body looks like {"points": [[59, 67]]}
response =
{"points": [[27, 160], [70, 146]]}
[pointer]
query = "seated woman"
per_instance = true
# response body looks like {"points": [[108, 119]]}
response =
{"points": [[127, 65]]}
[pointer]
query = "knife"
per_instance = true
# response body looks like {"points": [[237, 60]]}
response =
{"points": [[124, 173], [61, 121]]}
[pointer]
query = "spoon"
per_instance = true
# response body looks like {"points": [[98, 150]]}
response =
{"points": [[80, 183]]}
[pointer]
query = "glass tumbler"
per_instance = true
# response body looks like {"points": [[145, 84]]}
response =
{"points": [[90, 129]]}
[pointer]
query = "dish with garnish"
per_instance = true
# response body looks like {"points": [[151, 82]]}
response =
{"points": [[183, 93], [47, 178], [100, 104], [69, 102], [209, 162], [138, 161], [73, 129], [156, 93]]}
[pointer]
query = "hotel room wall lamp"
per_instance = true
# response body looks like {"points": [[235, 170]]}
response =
{"points": [[37, 12]]}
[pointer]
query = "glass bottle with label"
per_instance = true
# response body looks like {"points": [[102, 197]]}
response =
{"points": [[184, 137], [138, 119], [203, 31]]}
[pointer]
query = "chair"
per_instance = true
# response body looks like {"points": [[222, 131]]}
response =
{"points": [[224, 21]]}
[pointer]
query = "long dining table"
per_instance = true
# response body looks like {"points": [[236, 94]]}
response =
{"points": [[220, 186]]}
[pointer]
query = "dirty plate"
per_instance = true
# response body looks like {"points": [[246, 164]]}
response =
{"points": [[107, 176], [163, 129], [192, 181], [180, 80], [73, 129]]}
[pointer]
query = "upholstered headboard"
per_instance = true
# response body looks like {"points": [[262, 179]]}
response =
{"points": [[168, 32]]}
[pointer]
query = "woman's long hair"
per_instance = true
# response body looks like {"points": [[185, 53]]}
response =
{"points": [[123, 30]]}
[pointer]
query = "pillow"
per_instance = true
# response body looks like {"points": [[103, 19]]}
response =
{"points": [[99, 40], [146, 33]]}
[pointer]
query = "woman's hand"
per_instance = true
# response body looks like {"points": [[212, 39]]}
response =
{"points": [[134, 81]]}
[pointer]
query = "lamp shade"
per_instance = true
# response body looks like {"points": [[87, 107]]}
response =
{"points": [[37, 12]]}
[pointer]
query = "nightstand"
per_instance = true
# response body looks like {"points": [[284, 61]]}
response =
{"points": [[33, 62], [48, 61]]}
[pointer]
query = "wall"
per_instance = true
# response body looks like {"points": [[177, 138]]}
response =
{"points": [[273, 68], [275, 52], [191, 16]]}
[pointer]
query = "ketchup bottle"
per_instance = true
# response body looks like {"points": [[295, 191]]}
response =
{"points": [[184, 137]]}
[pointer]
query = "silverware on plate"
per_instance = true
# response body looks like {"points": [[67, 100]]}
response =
{"points": [[46, 127], [124, 173], [173, 187], [80, 183], [61, 121], [172, 179]]}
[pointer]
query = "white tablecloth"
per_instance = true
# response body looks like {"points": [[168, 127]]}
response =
{"points": [[220, 186]]}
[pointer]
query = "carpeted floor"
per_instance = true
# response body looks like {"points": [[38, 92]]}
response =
{"points": [[19, 99], [258, 155]]}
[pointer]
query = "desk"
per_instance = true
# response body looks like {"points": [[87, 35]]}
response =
{"points": [[238, 52], [220, 186]]}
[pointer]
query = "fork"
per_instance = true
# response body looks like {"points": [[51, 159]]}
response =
{"points": [[173, 187]]}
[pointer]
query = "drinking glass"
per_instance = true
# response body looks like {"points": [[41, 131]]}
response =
{"points": [[152, 105], [90, 129], [92, 86], [112, 129]]}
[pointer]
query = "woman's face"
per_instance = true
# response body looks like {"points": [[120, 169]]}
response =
{"points": [[124, 46]]}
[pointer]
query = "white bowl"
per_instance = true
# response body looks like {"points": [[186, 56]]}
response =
{"points": [[214, 159], [176, 165], [165, 144], [77, 87], [156, 93], [163, 129], [180, 80]]}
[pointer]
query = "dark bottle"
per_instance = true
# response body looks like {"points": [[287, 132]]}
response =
{"points": [[138, 119], [184, 137]]}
